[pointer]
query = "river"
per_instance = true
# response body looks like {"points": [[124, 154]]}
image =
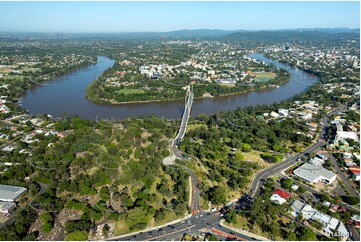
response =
{"points": [[66, 95]]}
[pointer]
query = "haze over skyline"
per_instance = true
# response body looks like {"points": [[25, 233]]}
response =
{"points": [[168, 16]]}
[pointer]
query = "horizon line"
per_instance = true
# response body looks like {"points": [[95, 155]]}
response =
{"points": [[175, 30]]}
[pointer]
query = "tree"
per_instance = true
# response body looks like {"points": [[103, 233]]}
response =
{"points": [[291, 236], [316, 224], [105, 231], [231, 216], [136, 219], [274, 229], [307, 234], [352, 200], [104, 194], [217, 195], [246, 148], [159, 215], [326, 197], [84, 224], [211, 237], [47, 227], [269, 158], [287, 183], [238, 155], [301, 190]]}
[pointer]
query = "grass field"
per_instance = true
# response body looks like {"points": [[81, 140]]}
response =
{"points": [[130, 91], [263, 74], [12, 78]]}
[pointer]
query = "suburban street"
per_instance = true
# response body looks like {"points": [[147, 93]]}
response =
{"points": [[257, 181], [354, 234], [260, 177], [342, 175]]}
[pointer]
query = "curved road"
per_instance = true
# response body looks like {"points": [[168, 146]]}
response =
{"points": [[257, 181]]}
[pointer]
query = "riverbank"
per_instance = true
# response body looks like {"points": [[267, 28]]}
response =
{"points": [[71, 88]]}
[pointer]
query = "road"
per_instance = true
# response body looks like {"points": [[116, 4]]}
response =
{"points": [[186, 114], [257, 181], [342, 175], [206, 221], [354, 234], [197, 224], [195, 190], [175, 152]]}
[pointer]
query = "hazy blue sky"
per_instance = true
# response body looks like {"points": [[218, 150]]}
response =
{"points": [[165, 16]]}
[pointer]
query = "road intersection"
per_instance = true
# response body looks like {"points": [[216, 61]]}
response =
{"points": [[201, 221]]}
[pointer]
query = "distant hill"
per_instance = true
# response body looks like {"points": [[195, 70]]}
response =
{"points": [[197, 33], [289, 36], [325, 30], [219, 34]]}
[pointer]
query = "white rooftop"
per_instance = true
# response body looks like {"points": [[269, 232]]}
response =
{"points": [[297, 206], [321, 217], [294, 187], [10, 193], [317, 162], [313, 173], [277, 199], [342, 231], [308, 212]]}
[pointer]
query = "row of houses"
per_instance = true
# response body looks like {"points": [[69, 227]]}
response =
{"points": [[331, 226]]}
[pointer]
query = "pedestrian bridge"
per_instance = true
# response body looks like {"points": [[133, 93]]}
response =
{"points": [[186, 114]]}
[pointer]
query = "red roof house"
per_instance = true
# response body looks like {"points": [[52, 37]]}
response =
{"points": [[342, 209], [354, 169], [282, 193], [334, 208]]}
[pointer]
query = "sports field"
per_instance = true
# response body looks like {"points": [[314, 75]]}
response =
{"points": [[130, 91]]}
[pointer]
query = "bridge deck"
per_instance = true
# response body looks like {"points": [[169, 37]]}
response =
{"points": [[186, 114]]}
